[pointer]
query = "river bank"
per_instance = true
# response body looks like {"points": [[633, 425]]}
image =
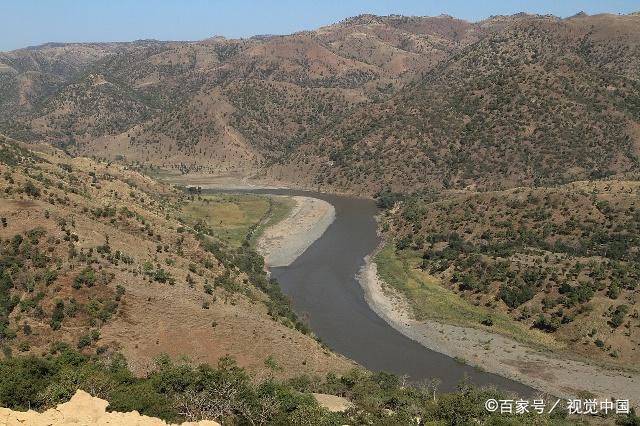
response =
{"points": [[281, 243], [494, 353], [322, 263]]}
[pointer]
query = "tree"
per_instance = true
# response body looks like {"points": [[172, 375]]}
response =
{"points": [[31, 190], [57, 315]]}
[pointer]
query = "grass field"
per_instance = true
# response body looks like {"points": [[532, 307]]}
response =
{"points": [[429, 300], [234, 216], [157, 173]]}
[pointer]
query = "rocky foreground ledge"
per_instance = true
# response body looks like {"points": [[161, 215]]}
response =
{"points": [[86, 410]]}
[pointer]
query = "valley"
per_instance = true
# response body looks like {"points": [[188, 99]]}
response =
{"points": [[401, 216]]}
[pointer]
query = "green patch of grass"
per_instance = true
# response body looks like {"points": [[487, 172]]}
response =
{"points": [[430, 300], [234, 217], [157, 173]]}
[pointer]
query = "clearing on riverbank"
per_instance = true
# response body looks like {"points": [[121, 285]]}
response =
{"points": [[237, 218]]}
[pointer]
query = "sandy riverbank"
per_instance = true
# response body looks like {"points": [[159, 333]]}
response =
{"points": [[283, 242], [495, 353]]}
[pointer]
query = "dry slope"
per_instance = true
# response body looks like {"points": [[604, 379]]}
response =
{"points": [[93, 255]]}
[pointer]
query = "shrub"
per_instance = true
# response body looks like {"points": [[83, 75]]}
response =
{"points": [[86, 277], [614, 291], [488, 321], [119, 292], [84, 341], [547, 324], [31, 190], [515, 295], [57, 315], [617, 317]]}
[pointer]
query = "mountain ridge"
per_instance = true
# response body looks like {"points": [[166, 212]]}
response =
{"points": [[310, 108]]}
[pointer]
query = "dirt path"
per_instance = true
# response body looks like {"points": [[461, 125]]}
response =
{"points": [[498, 354], [283, 242]]}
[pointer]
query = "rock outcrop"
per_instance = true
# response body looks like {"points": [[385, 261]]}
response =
{"points": [[84, 410]]}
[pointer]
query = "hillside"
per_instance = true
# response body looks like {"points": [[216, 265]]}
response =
{"points": [[542, 101], [220, 106], [560, 260], [364, 104], [107, 260]]}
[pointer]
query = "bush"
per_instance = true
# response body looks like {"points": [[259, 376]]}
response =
{"points": [[86, 277], [31, 190], [488, 321], [515, 295], [119, 292], [617, 317], [57, 315], [84, 341], [547, 324], [614, 291]]}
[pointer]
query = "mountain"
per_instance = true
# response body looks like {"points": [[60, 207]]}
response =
{"points": [[222, 105], [365, 104], [542, 101]]}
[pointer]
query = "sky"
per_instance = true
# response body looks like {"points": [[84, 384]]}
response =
{"points": [[33, 22]]}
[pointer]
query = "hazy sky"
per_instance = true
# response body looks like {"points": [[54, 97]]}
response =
{"points": [[32, 22]]}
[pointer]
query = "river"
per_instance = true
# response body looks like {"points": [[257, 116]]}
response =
{"points": [[323, 289]]}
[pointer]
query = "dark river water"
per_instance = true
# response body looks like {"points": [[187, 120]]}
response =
{"points": [[323, 288]]}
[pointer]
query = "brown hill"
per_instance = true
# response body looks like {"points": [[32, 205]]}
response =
{"points": [[34, 73], [224, 105], [93, 255], [564, 260], [541, 101], [367, 103]]}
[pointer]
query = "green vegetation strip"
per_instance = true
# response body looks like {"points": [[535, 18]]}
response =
{"points": [[227, 393], [429, 300]]}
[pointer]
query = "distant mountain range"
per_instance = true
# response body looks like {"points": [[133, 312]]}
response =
{"points": [[371, 102]]}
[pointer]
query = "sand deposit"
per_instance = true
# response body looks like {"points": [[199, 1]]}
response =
{"points": [[283, 242]]}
